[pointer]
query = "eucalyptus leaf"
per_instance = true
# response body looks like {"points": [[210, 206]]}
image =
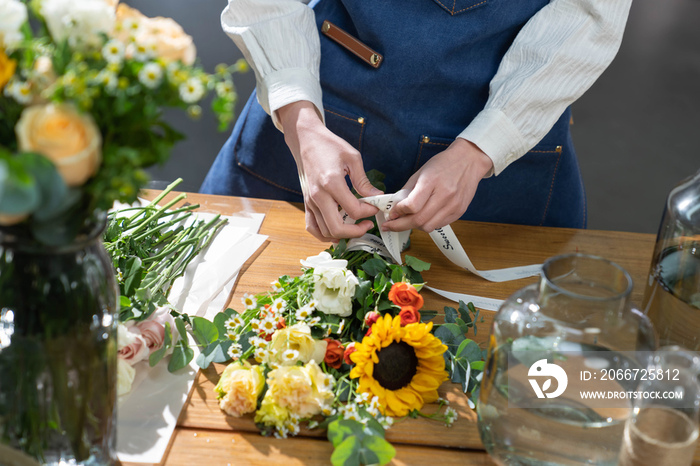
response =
{"points": [[216, 352], [347, 453], [382, 451], [181, 357], [340, 429], [450, 315], [204, 331]]}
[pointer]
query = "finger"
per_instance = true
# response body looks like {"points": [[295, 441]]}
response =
{"points": [[337, 229], [414, 203], [317, 215], [313, 228], [436, 213], [359, 179]]}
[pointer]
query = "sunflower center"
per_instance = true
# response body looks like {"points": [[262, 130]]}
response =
{"points": [[396, 367]]}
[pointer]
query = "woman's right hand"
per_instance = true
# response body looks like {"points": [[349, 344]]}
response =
{"points": [[323, 160]]}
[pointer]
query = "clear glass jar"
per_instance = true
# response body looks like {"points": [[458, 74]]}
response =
{"points": [[663, 427], [57, 351], [672, 296], [548, 342]]}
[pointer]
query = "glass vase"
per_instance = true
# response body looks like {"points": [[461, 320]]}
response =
{"points": [[672, 296], [57, 350], [571, 332]]}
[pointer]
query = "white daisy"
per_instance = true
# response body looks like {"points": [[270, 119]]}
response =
{"points": [[312, 304], [113, 51], [232, 335], [450, 416], [315, 321], [328, 411], [386, 421], [140, 52], [260, 354], [20, 91], [276, 285], [341, 327], [223, 89], [108, 79], [249, 301], [231, 324], [132, 26], [281, 432], [258, 342], [279, 305], [303, 312], [268, 325], [151, 75], [191, 90], [255, 325], [234, 351], [290, 355]]}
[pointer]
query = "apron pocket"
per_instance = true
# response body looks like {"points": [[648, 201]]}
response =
{"points": [[521, 194], [455, 7], [345, 125]]}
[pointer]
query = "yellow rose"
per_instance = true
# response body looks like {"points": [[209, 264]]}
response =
{"points": [[295, 343], [7, 68], [239, 388], [69, 139], [301, 390]]}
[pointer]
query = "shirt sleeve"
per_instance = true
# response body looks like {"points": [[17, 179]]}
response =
{"points": [[280, 41], [555, 58]]}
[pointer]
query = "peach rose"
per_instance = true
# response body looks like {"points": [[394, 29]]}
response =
{"points": [[405, 294], [69, 139], [409, 315], [348, 351]]}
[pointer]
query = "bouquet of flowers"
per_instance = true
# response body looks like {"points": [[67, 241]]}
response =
{"points": [[345, 346], [82, 90]]}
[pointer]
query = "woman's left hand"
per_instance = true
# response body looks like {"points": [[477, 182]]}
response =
{"points": [[442, 189]]}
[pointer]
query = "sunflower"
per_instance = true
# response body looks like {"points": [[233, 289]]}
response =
{"points": [[402, 366]]}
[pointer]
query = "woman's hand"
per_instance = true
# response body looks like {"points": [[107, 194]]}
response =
{"points": [[323, 160], [442, 189]]}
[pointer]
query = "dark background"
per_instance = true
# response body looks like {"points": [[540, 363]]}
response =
{"points": [[637, 130]]}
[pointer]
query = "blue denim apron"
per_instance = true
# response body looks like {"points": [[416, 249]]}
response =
{"points": [[439, 58]]}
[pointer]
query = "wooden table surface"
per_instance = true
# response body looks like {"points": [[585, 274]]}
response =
{"points": [[206, 436]]}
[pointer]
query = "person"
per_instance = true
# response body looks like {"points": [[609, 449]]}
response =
{"points": [[469, 108]]}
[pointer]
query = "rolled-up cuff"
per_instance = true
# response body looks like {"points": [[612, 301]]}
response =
{"points": [[289, 85], [494, 133]]}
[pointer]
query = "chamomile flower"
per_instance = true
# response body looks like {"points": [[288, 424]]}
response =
{"points": [[113, 51], [303, 313], [312, 304], [260, 354], [242, 66], [362, 398], [131, 26], [191, 90], [316, 321], [276, 285], [249, 301], [257, 342], [328, 411], [279, 305], [350, 413], [21, 91], [140, 52], [255, 325], [386, 421], [235, 351], [232, 335], [268, 325], [107, 79], [281, 432], [231, 324], [151, 75], [450, 416], [290, 355], [341, 327], [223, 89]]}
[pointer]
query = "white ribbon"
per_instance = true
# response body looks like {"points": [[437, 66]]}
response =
{"points": [[444, 238]]}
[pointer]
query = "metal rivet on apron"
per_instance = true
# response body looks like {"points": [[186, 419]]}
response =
{"points": [[361, 121], [426, 139], [374, 59]]}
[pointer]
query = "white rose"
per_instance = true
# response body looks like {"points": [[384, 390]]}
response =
{"points": [[125, 377], [80, 21], [334, 289], [13, 14], [323, 260]]}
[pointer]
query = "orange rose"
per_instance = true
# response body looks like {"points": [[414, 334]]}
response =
{"points": [[409, 315], [334, 353], [403, 294]]}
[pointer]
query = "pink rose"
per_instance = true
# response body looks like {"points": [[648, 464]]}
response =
{"points": [[131, 347], [162, 316], [152, 333]]}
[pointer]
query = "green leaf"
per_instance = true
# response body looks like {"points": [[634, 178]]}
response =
{"points": [[374, 266], [417, 264], [182, 356], [396, 273], [347, 453], [340, 429], [205, 332], [19, 191], [133, 274], [124, 302], [220, 322], [478, 365], [382, 450], [450, 315], [216, 352], [450, 335], [180, 324], [464, 312], [427, 315], [469, 350]]}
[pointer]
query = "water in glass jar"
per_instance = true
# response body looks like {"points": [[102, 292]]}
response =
{"points": [[582, 432], [672, 299]]}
